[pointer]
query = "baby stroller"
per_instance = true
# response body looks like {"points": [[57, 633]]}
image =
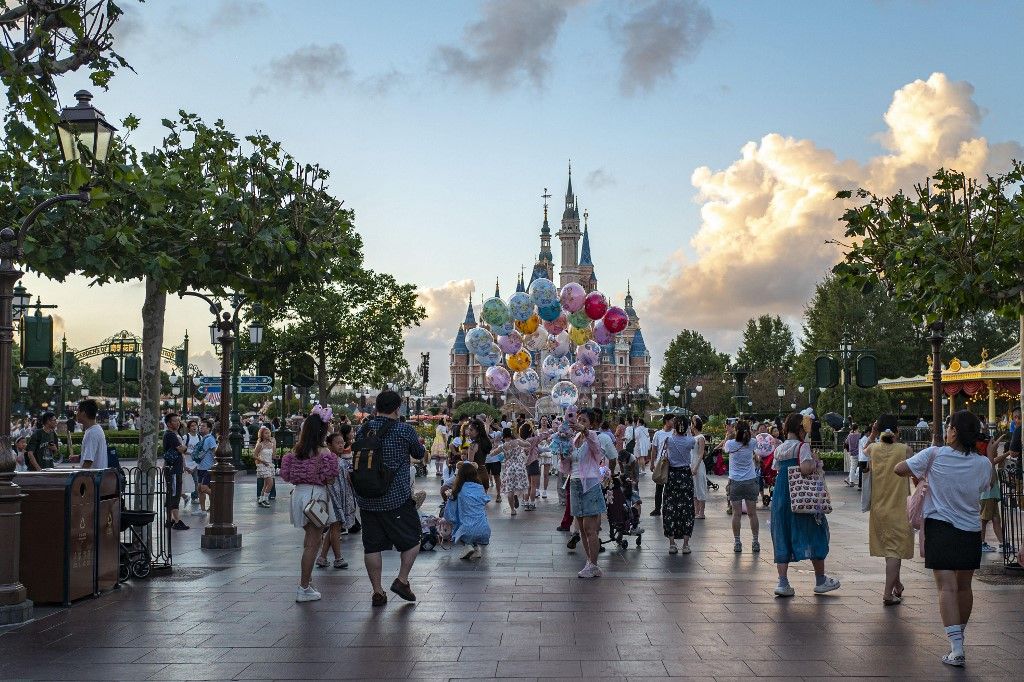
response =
{"points": [[623, 513], [766, 477], [714, 463], [135, 552]]}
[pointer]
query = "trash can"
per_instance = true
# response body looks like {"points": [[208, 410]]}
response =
{"points": [[108, 528], [58, 535]]}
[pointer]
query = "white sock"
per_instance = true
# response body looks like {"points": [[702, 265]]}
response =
{"points": [[955, 634]]}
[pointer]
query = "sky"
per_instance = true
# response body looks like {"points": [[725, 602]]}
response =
{"points": [[707, 140]]}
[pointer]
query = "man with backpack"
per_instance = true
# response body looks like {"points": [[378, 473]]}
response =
{"points": [[380, 477], [203, 456]]}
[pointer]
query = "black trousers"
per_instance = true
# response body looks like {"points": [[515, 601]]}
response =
{"points": [[659, 493]]}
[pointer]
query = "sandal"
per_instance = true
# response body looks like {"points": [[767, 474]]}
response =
{"points": [[897, 591], [891, 601], [321, 561], [340, 563]]}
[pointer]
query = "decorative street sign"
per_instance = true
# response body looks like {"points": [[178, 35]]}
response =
{"points": [[255, 381], [209, 381], [210, 389], [254, 389]]}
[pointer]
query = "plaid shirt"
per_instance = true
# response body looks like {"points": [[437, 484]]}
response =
{"points": [[401, 443]]}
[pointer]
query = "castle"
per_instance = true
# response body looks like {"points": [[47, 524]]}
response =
{"points": [[624, 372]]}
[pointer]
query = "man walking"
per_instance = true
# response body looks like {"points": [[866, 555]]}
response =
{"points": [[94, 441], [207, 446], [852, 447], [391, 520]]}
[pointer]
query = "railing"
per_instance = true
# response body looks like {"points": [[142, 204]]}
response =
{"points": [[1010, 507], [146, 490]]}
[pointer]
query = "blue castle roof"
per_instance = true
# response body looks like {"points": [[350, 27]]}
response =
{"points": [[470, 317], [459, 347], [638, 349], [585, 250]]}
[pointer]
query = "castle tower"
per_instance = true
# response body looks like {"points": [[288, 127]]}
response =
{"points": [[569, 236], [586, 268], [545, 265], [460, 359]]}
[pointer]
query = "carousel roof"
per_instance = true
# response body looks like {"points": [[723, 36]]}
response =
{"points": [[1003, 367]]}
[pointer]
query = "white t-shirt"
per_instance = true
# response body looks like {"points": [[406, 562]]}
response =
{"points": [[190, 440], [643, 441], [861, 447], [94, 447], [955, 484], [741, 460], [660, 438], [607, 446]]}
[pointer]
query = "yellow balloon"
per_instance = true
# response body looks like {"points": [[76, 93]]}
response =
{"points": [[580, 335], [530, 325], [519, 361]]}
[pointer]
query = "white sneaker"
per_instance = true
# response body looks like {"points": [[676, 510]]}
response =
{"points": [[827, 586], [306, 594], [786, 591], [469, 553], [597, 571], [588, 571], [478, 553], [544, 494]]}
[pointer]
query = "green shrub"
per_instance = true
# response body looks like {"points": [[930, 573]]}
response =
{"points": [[472, 408]]}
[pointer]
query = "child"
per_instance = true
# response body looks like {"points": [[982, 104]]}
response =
{"points": [[561, 446], [465, 511]]}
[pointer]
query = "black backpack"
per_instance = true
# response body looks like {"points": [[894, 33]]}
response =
{"points": [[370, 476]]}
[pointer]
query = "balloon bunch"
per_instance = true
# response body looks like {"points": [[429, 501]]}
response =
{"points": [[545, 319]]}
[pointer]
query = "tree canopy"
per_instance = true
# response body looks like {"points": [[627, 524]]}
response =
{"points": [[690, 354], [767, 344]]}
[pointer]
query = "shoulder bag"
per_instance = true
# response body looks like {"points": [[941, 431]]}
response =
{"points": [[808, 494], [660, 475], [316, 512], [915, 501]]}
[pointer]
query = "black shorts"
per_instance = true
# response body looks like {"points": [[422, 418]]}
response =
{"points": [[398, 529], [172, 498], [493, 468], [947, 548], [533, 468], [203, 476]]}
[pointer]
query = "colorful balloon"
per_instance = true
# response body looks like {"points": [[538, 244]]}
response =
{"points": [[615, 320], [503, 329], [511, 344], [495, 312], [559, 344], [582, 375], [550, 312], [527, 381], [572, 297], [520, 306], [589, 353], [555, 368], [536, 341], [499, 378], [518, 362], [564, 394], [557, 325], [579, 319], [530, 325], [595, 304], [601, 333], [543, 292], [478, 340], [580, 335], [490, 357]]}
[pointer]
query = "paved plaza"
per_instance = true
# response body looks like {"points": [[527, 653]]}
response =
{"points": [[520, 613]]}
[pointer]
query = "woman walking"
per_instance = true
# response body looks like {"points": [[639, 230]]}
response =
{"points": [[438, 448], [479, 451], [586, 498], [544, 457], [677, 501], [956, 475], [465, 510], [342, 497], [797, 536], [263, 453], [513, 478], [889, 533], [310, 467], [700, 472], [743, 486]]}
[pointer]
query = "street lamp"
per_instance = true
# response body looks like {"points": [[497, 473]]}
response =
{"points": [[51, 380], [173, 379], [23, 380], [85, 392], [76, 382], [781, 392]]}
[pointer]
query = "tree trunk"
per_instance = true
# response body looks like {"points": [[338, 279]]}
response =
{"points": [[936, 338], [153, 309], [1020, 342], [322, 380]]}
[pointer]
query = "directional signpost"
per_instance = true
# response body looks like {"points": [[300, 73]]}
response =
{"points": [[245, 384]]}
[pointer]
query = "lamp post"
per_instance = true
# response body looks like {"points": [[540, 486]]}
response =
{"points": [[23, 385], [79, 126], [781, 392], [222, 533]]}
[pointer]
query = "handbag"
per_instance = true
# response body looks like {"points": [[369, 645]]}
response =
{"points": [[865, 492], [808, 494], [660, 474], [915, 501], [316, 512]]}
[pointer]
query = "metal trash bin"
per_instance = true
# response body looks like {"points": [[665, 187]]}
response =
{"points": [[108, 528], [58, 535]]}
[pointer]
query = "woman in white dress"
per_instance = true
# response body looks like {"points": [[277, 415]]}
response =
{"points": [[439, 448], [700, 474]]}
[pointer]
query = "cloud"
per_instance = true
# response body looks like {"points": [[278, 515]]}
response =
{"points": [[309, 69], [446, 309], [129, 28], [513, 40], [658, 36], [232, 13], [766, 217], [600, 178], [382, 84]]}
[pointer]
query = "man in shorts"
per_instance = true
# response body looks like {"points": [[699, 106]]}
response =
{"points": [[391, 521]]}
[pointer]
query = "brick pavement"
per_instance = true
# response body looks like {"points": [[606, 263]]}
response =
{"points": [[520, 613]]}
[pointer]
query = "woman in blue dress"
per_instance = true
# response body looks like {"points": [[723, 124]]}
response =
{"points": [[797, 536], [466, 511]]}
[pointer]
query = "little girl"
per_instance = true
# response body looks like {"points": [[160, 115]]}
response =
{"points": [[465, 511]]}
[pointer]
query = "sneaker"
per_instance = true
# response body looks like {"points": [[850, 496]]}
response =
{"points": [[737, 547], [179, 525], [588, 571], [321, 562], [987, 548], [755, 546], [264, 503], [596, 570], [951, 659], [601, 549], [478, 553], [573, 541], [340, 563], [656, 512], [827, 586], [468, 554], [379, 599], [784, 591], [685, 549], [562, 529], [168, 524], [306, 594], [543, 494], [403, 590]]}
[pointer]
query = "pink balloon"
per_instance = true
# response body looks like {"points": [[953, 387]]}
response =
{"points": [[595, 305], [601, 333], [572, 297], [615, 320], [511, 344], [557, 325], [499, 378]]}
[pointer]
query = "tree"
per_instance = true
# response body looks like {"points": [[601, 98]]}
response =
{"points": [[868, 403], [689, 354], [767, 344], [945, 251], [353, 329]]}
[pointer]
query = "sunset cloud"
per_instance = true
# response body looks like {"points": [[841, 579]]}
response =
{"points": [[766, 217], [446, 309]]}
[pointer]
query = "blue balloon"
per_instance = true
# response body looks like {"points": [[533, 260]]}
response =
{"points": [[550, 313]]}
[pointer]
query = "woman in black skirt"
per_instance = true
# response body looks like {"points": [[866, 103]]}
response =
{"points": [[956, 475], [677, 510]]}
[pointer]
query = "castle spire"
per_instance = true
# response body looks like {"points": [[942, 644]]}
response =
{"points": [[572, 210], [585, 249], [470, 316]]}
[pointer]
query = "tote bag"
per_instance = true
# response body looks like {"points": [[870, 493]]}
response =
{"points": [[915, 501], [808, 494]]}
